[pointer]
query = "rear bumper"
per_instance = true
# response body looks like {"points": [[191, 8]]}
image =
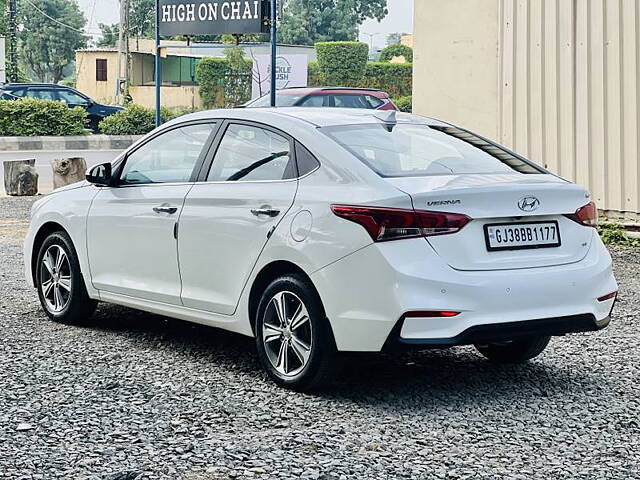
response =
{"points": [[365, 293], [499, 332]]}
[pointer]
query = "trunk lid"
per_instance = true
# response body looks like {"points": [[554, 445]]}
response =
{"points": [[493, 199]]}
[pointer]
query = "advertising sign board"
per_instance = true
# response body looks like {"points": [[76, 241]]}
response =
{"points": [[291, 71], [213, 17]]}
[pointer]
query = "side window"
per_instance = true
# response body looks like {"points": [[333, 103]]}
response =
{"points": [[71, 98], [170, 157], [373, 102], [350, 101], [42, 93], [307, 163], [316, 101], [251, 153], [19, 92]]}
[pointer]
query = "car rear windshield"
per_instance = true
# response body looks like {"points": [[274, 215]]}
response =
{"points": [[410, 150]]}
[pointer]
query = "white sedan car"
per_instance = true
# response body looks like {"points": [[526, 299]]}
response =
{"points": [[321, 231]]}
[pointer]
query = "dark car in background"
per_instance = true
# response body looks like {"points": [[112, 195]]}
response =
{"points": [[6, 95], [340, 97], [72, 97]]}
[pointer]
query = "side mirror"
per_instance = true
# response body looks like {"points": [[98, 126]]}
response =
{"points": [[100, 175]]}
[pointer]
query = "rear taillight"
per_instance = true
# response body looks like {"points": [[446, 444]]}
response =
{"points": [[586, 215], [384, 224]]}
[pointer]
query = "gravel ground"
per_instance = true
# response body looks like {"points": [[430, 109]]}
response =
{"points": [[135, 395]]}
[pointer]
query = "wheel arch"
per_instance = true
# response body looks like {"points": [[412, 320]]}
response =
{"points": [[267, 274], [44, 231]]}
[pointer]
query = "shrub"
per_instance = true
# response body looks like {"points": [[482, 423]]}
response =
{"points": [[342, 63], [615, 234], [404, 104], [224, 82], [31, 117], [388, 53], [394, 78], [133, 120]]}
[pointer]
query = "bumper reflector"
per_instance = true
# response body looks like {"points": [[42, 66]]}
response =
{"points": [[608, 296], [431, 314]]}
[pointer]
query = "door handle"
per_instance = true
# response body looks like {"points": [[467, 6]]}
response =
{"points": [[269, 212], [163, 209]]}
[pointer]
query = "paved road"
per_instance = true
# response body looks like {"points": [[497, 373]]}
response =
{"points": [[43, 159], [131, 395]]}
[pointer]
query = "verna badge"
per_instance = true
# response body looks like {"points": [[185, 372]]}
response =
{"points": [[528, 204]]}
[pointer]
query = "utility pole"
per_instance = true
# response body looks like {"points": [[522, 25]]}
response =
{"points": [[123, 52], [12, 51]]}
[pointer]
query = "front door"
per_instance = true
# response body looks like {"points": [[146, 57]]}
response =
{"points": [[131, 228], [227, 219]]}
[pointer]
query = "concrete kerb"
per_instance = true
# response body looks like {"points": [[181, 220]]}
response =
{"points": [[83, 142]]}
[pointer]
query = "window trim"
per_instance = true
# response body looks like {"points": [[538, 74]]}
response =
{"points": [[119, 164], [206, 167]]}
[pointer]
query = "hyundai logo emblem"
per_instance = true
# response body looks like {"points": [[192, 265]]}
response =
{"points": [[528, 204]]}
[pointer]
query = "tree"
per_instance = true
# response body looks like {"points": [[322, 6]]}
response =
{"points": [[3, 17], [306, 22], [142, 18], [51, 35], [394, 38], [109, 35]]}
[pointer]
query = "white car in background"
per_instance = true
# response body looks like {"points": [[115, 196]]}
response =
{"points": [[325, 230]]}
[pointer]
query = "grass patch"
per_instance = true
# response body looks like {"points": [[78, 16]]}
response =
{"points": [[615, 234]]}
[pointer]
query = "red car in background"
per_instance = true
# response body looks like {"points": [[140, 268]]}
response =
{"points": [[342, 97]]}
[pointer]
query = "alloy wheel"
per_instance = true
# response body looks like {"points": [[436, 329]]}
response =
{"points": [[55, 278], [287, 333]]}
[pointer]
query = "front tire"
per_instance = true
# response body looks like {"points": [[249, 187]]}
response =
{"points": [[59, 281], [294, 342], [515, 351]]}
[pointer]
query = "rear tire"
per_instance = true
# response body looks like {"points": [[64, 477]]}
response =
{"points": [[516, 351], [293, 338], [59, 281]]}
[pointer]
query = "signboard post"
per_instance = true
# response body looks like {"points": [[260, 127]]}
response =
{"points": [[274, 44], [206, 17]]}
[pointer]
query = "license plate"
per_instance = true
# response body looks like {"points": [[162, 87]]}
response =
{"points": [[516, 236]]}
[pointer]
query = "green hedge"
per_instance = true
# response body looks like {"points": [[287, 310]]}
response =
{"points": [[222, 84], [133, 120], [404, 104], [342, 63], [394, 78], [30, 117], [387, 54]]}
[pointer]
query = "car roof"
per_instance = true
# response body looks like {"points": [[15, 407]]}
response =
{"points": [[319, 117], [311, 90], [23, 85]]}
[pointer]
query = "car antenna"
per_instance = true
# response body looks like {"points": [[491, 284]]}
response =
{"points": [[388, 117]]}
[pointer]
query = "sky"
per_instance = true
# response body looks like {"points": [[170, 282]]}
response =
{"points": [[400, 19]]}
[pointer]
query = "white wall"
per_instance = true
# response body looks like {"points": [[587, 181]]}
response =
{"points": [[556, 80]]}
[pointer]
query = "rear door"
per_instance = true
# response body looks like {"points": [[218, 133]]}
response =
{"points": [[229, 216], [131, 227]]}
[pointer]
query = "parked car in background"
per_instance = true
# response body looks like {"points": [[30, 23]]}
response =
{"points": [[319, 231], [72, 97], [6, 95], [327, 97]]}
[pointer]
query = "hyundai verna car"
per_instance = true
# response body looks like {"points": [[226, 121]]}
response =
{"points": [[320, 231]]}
